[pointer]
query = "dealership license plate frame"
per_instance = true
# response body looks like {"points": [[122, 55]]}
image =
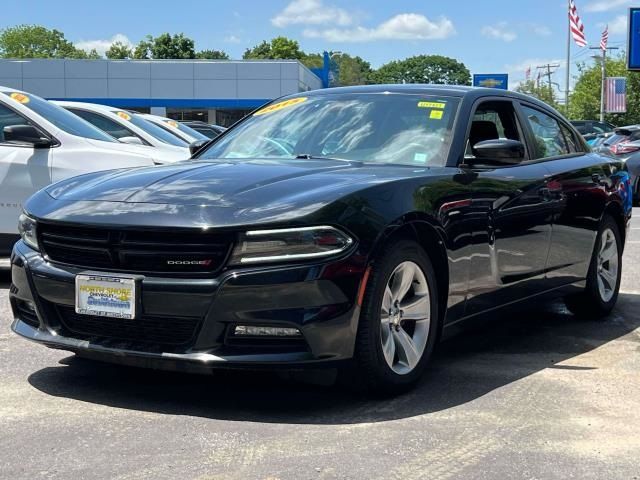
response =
{"points": [[130, 283]]}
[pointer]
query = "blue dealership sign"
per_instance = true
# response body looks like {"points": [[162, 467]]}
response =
{"points": [[633, 52], [491, 80]]}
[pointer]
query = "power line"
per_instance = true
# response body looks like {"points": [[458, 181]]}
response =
{"points": [[548, 74]]}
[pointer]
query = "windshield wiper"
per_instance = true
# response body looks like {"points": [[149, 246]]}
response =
{"points": [[308, 156]]}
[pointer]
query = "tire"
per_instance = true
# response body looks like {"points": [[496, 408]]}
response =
{"points": [[599, 296], [384, 321]]}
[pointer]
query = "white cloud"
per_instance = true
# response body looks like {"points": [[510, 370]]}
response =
{"points": [[311, 12], [618, 26], [605, 5], [499, 32], [405, 26], [232, 39], [101, 46], [540, 30]]}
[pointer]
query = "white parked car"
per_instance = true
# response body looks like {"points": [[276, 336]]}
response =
{"points": [[42, 143], [176, 128], [131, 128]]}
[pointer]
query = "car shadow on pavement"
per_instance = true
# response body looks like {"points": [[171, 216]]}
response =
{"points": [[464, 368], [5, 279]]}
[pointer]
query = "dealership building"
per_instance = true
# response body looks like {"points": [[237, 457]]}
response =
{"points": [[214, 91]]}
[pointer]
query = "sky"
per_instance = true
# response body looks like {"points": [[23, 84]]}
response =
{"points": [[490, 36]]}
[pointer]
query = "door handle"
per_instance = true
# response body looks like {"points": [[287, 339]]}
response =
{"points": [[599, 179]]}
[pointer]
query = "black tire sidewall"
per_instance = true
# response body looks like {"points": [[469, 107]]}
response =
{"points": [[369, 346]]}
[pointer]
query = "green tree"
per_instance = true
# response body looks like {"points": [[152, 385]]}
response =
{"points": [[539, 91], [585, 99], [434, 69], [213, 55], [165, 46], [278, 48], [351, 70], [35, 41], [119, 51]]}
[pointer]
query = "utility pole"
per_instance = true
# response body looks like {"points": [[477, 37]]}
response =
{"points": [[603, 68], [568, 72], [548, 74]]}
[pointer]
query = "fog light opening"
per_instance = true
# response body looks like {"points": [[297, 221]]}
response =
{"points": [[252, 331], [29, 305]]}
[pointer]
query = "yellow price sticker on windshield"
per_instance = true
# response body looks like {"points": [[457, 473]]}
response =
{"points": [[20, 97], [172, 123], [432, 105], [280, 105], [124, 115], [436, 114]]}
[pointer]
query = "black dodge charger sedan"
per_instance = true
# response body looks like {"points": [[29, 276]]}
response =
{"points": [[347, 226]]}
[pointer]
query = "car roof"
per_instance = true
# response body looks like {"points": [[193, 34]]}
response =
{"points": [[459, 91], [9, 89], [86, 105]]}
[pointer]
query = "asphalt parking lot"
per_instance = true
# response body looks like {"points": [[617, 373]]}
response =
{"points": [[538, 396]]}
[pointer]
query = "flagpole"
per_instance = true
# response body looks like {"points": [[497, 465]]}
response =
{"points": [[568, 72]]}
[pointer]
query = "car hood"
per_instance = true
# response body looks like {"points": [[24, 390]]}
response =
{"points": [[212, 192]]}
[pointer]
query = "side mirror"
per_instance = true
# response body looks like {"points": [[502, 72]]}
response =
{"points": [[500, 151], [196, 146], [26, 134], [131, 140]]}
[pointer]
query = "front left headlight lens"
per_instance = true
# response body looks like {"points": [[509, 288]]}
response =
{"points": [[27, 229], [289, 244]]}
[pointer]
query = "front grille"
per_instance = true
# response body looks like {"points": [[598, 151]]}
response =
{"points": [[148, 329], [135, 251], [25, 313]]}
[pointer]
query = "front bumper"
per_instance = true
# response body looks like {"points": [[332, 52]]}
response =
{"points": [[319, 300]]}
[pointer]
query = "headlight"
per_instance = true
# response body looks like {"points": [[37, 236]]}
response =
{"points": [[27, 229], [305, 243]]}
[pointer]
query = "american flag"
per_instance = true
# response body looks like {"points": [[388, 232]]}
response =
{"points": [[605, 39], [576, 25], [616, 95]]}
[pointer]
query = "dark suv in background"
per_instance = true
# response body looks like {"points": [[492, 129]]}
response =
{"points": [[592, 129]]}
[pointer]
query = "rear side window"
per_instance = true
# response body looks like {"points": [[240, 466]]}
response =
{"points": [[549, 138], [9, 118], [572, 143]]}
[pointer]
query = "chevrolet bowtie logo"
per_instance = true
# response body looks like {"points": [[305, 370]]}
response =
{"points": [[490, 83]]}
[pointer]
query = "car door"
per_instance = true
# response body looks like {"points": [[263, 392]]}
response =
{"points": [[576, 185], [23, 170], [511, 219]]}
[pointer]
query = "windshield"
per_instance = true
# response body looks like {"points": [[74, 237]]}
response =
{"points": [[404, 129], [61, 118], [172, 125], [152, 129]]}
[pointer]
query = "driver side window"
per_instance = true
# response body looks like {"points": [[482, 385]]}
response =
{"points": [[492, 120], [9, 118]]}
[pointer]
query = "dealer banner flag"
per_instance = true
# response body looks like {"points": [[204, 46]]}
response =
{"points": [[616, 95]]}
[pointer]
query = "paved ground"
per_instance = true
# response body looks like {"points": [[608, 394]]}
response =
{"points": [[533, 396]]}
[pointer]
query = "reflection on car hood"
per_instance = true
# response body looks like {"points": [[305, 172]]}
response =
{"points": [[216, 192]]}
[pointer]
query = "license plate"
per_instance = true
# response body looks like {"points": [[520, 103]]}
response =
{"points": [[106, 296]]}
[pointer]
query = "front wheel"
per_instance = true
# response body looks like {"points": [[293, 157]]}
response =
{"points": [[605, 271], [399, 319]]}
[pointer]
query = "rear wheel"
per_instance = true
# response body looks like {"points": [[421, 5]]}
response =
{"points": [[399, 319], [603, 280]]}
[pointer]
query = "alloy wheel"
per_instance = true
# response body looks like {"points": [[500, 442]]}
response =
{"points": [[607, 265], [405, 317]]}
